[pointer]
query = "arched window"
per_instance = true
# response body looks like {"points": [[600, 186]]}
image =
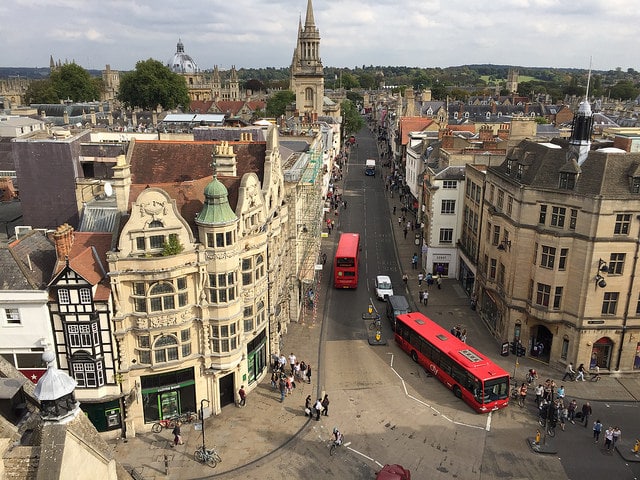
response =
{"points": [[165, 349], [161, 297], [308, 94], [156, 224]]}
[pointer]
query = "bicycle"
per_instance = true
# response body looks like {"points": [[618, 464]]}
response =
{"points": [[550, 426], [188, 417], [170, 422], [376, 324], [335, 444], [208, 456]]}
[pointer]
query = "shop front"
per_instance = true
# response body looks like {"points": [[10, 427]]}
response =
{"points": [[105, 415], [168, 394], [256, 357]]}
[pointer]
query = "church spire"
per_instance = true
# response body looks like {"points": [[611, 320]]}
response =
{"points": [[309, 21]]}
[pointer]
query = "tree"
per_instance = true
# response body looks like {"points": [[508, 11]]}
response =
{"points": [[623, 90], [351, 120], [70, 81], [277, 103], [254, 85], [41, 91], [74, 82], [152, 84]]}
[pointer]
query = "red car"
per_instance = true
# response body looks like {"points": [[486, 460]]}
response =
{"points": [[393, 472]]}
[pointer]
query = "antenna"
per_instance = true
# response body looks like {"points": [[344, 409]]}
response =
{"points": [[108, 189], [586, 95]]}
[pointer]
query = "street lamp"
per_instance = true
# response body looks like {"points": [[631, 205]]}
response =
{"points": [[604, 268], [202, 419]]}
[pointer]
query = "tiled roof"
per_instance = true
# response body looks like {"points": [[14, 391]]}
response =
{"points": [[229, 106], [27, 263], [412, 124], [200, 106], [88, 255]]}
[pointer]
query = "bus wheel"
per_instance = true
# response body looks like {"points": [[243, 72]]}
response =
{"points": [[457, 392], [414, 356]]}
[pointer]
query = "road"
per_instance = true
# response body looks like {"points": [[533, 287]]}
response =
{"points": [[391, 411]]}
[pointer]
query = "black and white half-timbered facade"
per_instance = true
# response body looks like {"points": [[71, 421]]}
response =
{"points": [[80, 309]]}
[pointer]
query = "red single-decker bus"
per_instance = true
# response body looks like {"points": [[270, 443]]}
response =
{"points": [[469, 374], [345, 265]]}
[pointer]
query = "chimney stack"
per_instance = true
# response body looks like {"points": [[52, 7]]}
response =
{"points": [[63, 239]]}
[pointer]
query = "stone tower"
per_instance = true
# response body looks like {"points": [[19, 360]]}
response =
{"points": [[307, 79]]}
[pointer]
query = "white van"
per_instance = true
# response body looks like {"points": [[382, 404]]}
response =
{"points": [[383, 287]]}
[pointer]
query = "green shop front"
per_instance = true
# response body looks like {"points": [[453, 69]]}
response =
{"points": [[167, 394]]}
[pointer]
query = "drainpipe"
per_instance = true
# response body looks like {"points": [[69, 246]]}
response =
{"points": [[625, 316]]}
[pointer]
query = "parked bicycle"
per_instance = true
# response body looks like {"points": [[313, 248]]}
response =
{"points": [[169, 422], [188, 417], [208, 456], [549, 426], [376, 324]]}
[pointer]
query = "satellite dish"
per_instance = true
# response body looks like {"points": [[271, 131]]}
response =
{"points": [[108, 189]]}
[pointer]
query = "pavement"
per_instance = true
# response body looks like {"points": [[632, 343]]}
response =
{"points": [[244, 442]]}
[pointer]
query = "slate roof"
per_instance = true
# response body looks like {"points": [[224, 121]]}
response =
{"points": [[27, 263], [605, 172]]}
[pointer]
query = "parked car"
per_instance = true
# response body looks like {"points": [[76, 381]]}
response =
{"points": [[383, 287]]}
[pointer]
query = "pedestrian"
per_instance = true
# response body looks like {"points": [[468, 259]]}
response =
{"points": [[405, 279], [274, 380], [282, 385], [572, 411], [439, 281], [318, 409], [597, 428], [581, 372], [399, 221], [539, 391], [308, 374], [177, 435], [463, 335], [292, 360], [394, 209], [617, 433], [243, 396], [560, 392], [325, 405], [414, 261], [307, 407], [303, 370], [344, 204], [564, 415], [296, 371], [429, 280], [608, 438], [405, 231], [333, 224], [425, 298], [569, 372], [282, 361], [324, 258], [420, 278], [586, 411]]}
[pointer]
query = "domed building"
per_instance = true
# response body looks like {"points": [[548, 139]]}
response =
{"points": [[204, 86], [181, 62]]}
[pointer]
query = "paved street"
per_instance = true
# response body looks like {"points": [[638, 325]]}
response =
{"points": [[388, 408]]}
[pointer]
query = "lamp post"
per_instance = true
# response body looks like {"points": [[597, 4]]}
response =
{"points": [[202, 419]]}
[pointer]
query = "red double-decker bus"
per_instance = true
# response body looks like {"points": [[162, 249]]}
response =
{"points": [[345, 265], [469, 374]]}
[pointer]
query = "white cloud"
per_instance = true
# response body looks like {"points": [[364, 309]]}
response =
{"points": [[259, 33]]}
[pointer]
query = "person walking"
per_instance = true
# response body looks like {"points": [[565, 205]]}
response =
{"points": [[307, 407], [420, 278], [439, 281], [414, 261], [586, 411], [617, 433], [282, 385], [405, 279], [572, 411], [608, 438], [318, 409], [292, 357], [243, 396], [325, 405], [569, 372], [581, 372], [425, 297], [177, 435], [597, 428], [308, 374]]}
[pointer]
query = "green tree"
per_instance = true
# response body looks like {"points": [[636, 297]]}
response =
{"points": [[74, 82], [152, 84], [367, 81], [623, 90], [277, 103], [438, 91], [254, 85], [41, 91], [348, 81], [172, 246], [351, 120]]}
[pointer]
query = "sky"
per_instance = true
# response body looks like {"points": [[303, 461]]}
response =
{"points": [[262, 33]]}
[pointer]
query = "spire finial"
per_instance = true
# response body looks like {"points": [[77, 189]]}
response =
{"points": [[214, 164], [586, 95]]}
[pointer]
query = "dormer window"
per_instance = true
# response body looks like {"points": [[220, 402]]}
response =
{"points": [[466, 114], [635, 185], [519, 171], [567, 181], [488, 115], [455, 115]]}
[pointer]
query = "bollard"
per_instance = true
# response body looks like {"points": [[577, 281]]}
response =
{"points": [[636, 447], [166, 465], [537, 437]]}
